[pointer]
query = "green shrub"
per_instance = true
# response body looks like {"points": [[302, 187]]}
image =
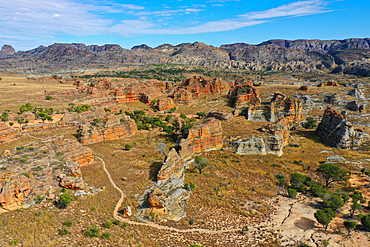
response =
{"points": [[64, 231], [92, 231], [297, 181], [124, 225], [107, 224], [26, 175], [68, 223], [292, 192], [310, 123], [128, 147], [106, 235], [38, 199], [65, 199], [116, 222], [48, 97]]}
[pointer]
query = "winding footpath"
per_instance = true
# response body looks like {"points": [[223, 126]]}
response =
{"points": [[152, 224]]}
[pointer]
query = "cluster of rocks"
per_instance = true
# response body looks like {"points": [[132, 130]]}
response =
{"points": [[279, 107], [198, 86], [40, 167], [111, 127], [166, 199], [335, 131]]}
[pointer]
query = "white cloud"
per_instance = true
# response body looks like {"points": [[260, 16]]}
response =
{"points": [[44, 20]]}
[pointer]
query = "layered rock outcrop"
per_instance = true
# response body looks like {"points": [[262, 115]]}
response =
{"points": [[202, 137], [123, 90], [7, 133], [111, 127], [165, 104], [335, 131], [220, 115], [243, 95], [273, 139], [198, 86], [31, 170], [279, 107], [166, 199]]}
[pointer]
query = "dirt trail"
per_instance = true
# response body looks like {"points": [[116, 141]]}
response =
{"points": [[152, 224]]}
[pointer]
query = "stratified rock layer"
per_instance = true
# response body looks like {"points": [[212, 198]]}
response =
{"points": [[111, 127], [201, 138], [335, 131], [32, 169]]}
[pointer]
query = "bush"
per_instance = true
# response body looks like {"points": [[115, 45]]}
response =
{"points": [[124, 225], [48, 97], [92, 231], [64, 231], [292, 192], [106, 235], [107, 224], [128, 147], [201, 114], [183, 116], [365, 222], [68, 223], [65, 199], [317, 189], [310, 123], [116, 222], [297, 181]]}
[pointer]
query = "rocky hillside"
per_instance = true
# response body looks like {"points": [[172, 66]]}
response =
{"points": [[340, 56]]}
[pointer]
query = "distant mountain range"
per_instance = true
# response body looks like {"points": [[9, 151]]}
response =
{"points": [[351, 56]]}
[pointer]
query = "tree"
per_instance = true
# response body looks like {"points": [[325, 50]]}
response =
{"points": [[20, 121], [292, 192], [349, 225], [355, 206], [200, 164], [323, 218], [297, 181], [365, 222], [332, 173], [332, 201], [310, 123], [65, 199], [344, 195], [201, 114]]}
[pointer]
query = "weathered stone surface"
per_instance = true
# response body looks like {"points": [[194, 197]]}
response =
{"points": [[356, 93], [111, 127], [328, 84], [172, 167], [332, 99], [244, 94], [352, 105], [220, 115], [202, 137], [198, 86], [166, 199], [303, 88], [6, 51], [279, 107], [165, 104], [32, 169], [7, 133], [335, 131]]}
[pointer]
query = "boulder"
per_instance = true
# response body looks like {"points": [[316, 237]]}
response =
{"points": [[356, 93], [332, 99], [336, 132], [352, 105], [303, 88]]}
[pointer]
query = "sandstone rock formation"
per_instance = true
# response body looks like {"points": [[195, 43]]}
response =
{"points": [[198, 86], [220, 115], [110, 127], [31, 170], [243, 95], [274, 138], [166, 199], [328, 84], [280, 106], [335, 131], [202, 137], [7, 133], [165, 104]]}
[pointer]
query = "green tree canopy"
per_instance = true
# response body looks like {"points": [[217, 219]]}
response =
{"points": [[332, 173]]}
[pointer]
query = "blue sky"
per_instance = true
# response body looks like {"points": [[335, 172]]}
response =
{"points": [[26, 24]]}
